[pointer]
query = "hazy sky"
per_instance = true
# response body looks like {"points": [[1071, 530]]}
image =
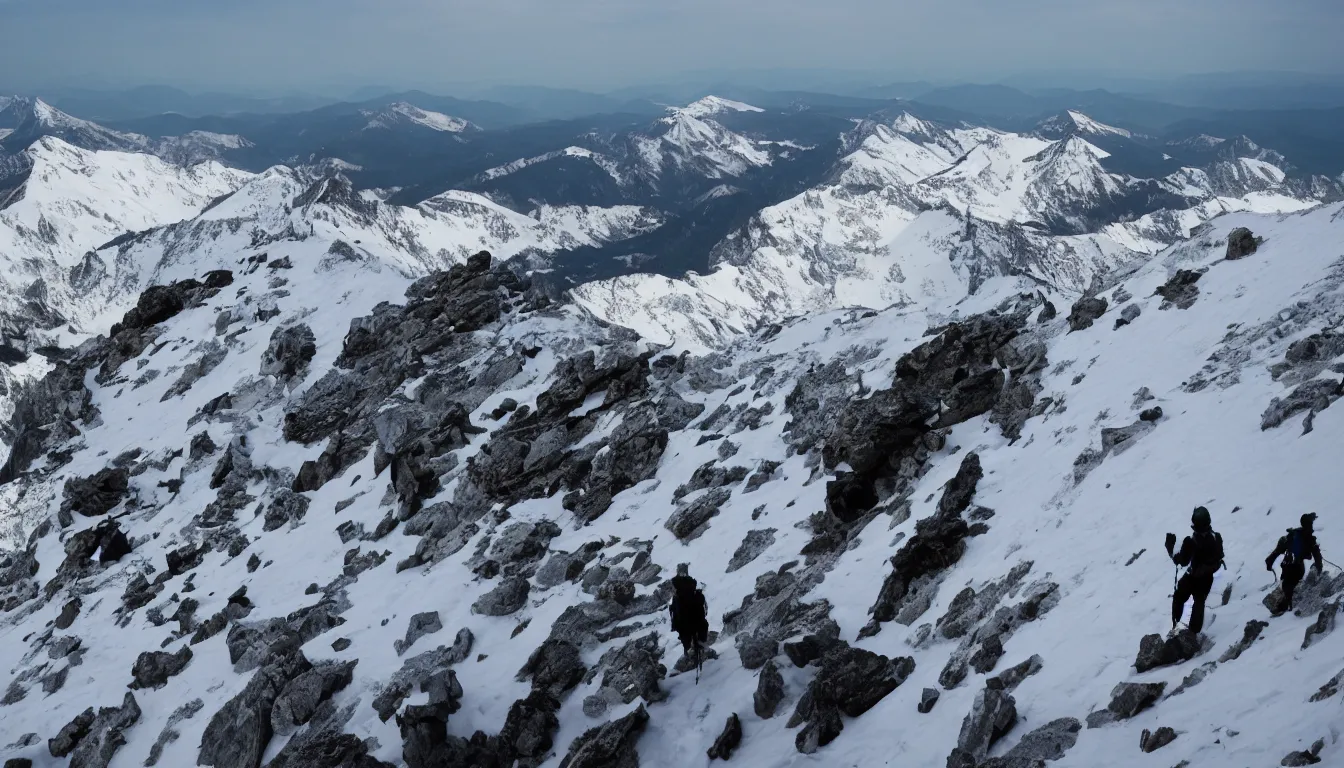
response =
{"points": [[282, 44]]}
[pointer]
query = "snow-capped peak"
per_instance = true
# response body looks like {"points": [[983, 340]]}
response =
{"points": [[403, 112], [1071, 121], [909, 124], [714, 105]]}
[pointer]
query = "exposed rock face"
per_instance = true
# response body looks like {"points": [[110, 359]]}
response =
{"points": [[421, 624], [927, 700], [938, 543], [1151, 741], [153, 668], [1085, 312], [99, 493], [755, 542], [1127, 700], [992, 716], [238, 734], [630, 671], [1248, 636], [609, 746], [769, 691], [727, 741], [851, 681], [91, 740], [1156, 652], [1180, 290], [290, 351], [1241, 243], [1304, 756], [1047, 743], [507, 598]]}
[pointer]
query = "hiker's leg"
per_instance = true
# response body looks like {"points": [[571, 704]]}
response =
{"points": [[1201, 593], [1183, 592]]}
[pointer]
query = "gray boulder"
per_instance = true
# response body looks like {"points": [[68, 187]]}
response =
{"points": [[1127, 700], [769, 691], [1151, 741], [421, 624], [291, 349], [993, 714], [1241, 243], [927, 699], [1304, 757], [153, 668], [506, 598], [851, 681], [1047, 743], [1248, 636], [1085, 312], [1154, 651], [728, 739], [1180, 290], [238, 734], [91, 740]]}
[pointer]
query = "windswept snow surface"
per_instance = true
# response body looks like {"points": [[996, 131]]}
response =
{"points": [[1094, 542], [690, 140]]}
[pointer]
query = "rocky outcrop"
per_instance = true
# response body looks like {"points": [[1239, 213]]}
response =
{"points": [[631, 671], [608, 746], [769, 691], [153, 668], [1241, 243], [290, 351], [1085, 311], [1151, 741], [1127, 700], [1180, 290], [851, 681], [92, 739], [992, 716], [1154, 651], [728, 740]]}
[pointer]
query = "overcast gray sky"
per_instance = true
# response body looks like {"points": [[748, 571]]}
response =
{"points": [[599, 44]]}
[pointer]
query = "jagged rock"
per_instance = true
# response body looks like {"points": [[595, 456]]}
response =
{"points": [[764, 474], [1151, 414], [153, 668], [1085, 312], [1127, 700], [608, 746], [755, 649], [1154, 651], [1248, 636], [1180, 290], [728, 739], [287, 508], [769, 691], [851, 681], [1012, 677], [1047, 743], [1330, 688], [299, 701], [92, 740], [169, 734], [1151, 741], [710, 475], [1241, 243], [69, 612], [1314, 396], [993, 714], [529, 729], [421, 624], [1195, 677], [814, 646], [556, 667], [690, 520], [212, 354], [417, 669], [1324, 624], [326, 749], [927, 699], [1305, 757], [633, 670], [508, 597], [1048, 313], [97, 494], [237, 735]]}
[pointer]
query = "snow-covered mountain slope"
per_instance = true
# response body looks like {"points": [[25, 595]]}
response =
{"points": [[35, 120], [440, 531], [690, 141], [1048, 211], [401, 113]]}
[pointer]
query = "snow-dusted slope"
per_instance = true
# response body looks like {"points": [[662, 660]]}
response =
{"points": [[462, 470], [402, 113], [1072, 122]]}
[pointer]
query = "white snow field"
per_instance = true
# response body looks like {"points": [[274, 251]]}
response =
{"points": [[1087, 545]]}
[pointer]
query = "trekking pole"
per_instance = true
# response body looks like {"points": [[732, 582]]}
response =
{"points": [[1327, 562]]}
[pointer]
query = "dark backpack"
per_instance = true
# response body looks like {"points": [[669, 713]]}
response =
{"points": [[1298, 546], [1207, 553]]}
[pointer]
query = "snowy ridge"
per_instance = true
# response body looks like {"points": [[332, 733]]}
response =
{"points": [[714, 105], [603, 162], [1073, 122], [1046, 210], [466, 477]]}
